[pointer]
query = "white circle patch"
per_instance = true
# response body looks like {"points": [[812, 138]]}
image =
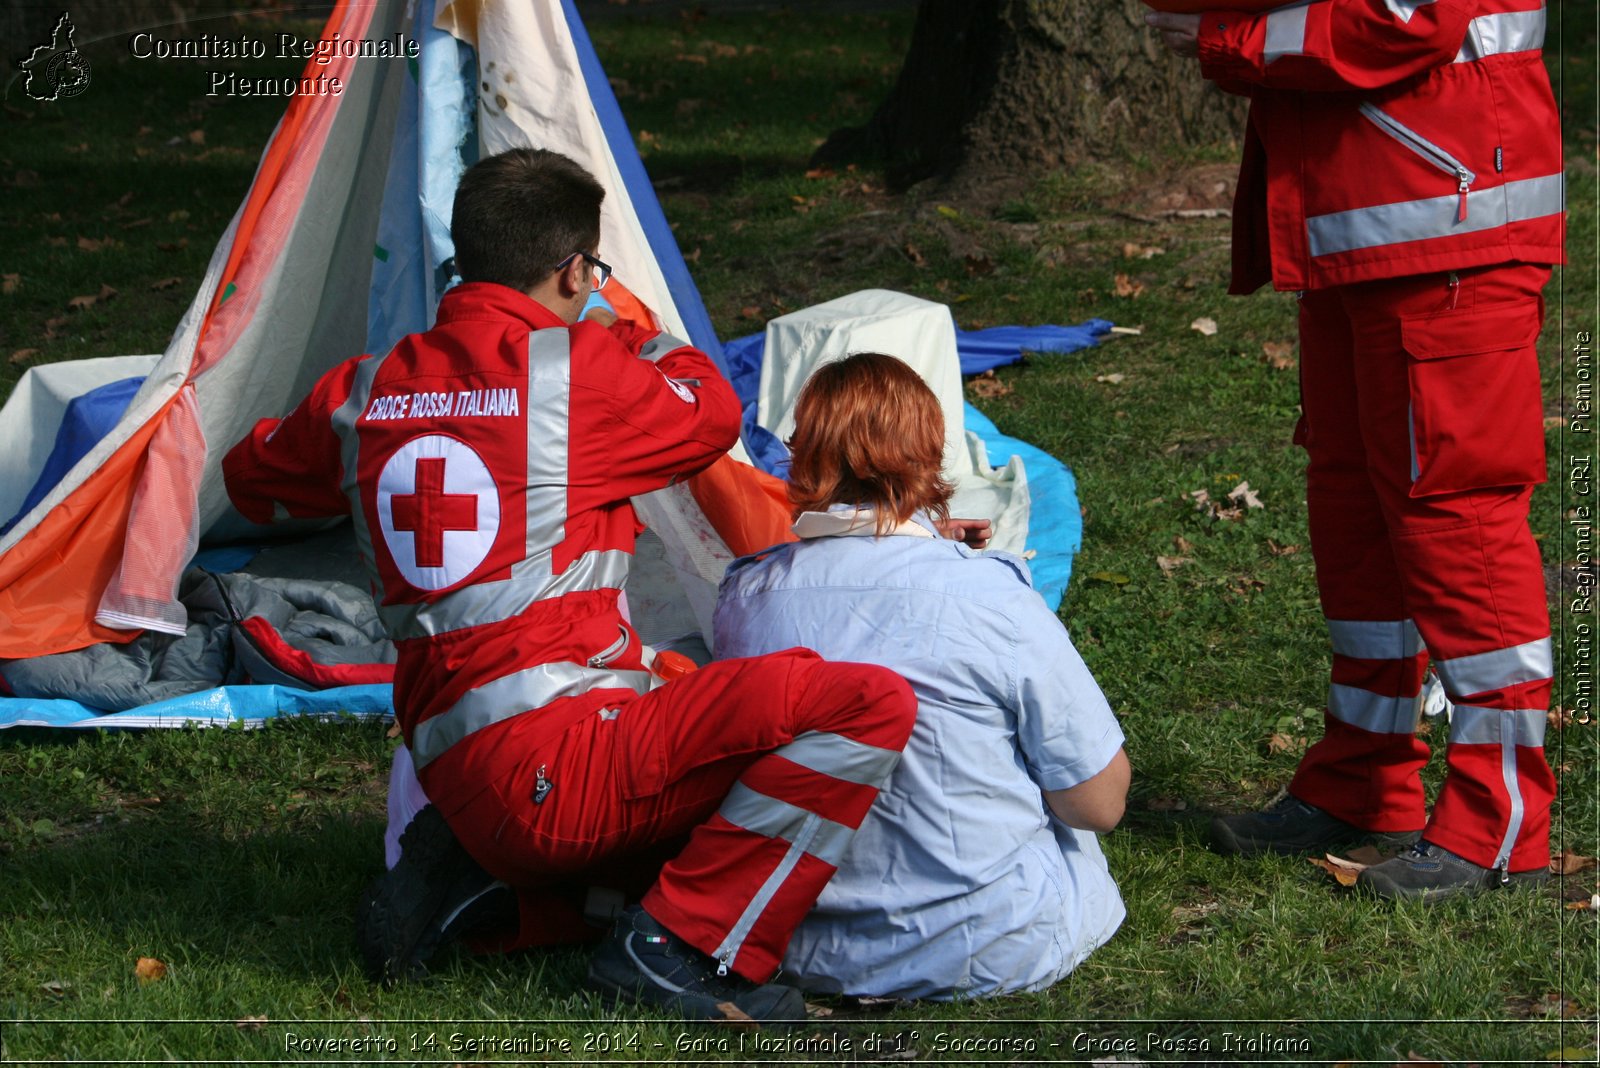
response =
{"points": [[439, 510]]}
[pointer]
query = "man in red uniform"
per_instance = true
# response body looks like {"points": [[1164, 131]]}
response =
{"points": [[487, 465], [1403, 170]]}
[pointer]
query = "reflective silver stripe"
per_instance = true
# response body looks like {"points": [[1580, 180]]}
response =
{"points": [[660, 345], [1368, 639], [344, 422], [841, 758], [549, 417], [1507, 728], [760, 814], [1431, 217], [1507, 31], [1496, 669], [489, 602], [1286, 33], [1474, 725], [511, 695], [1372, 712], [731, 945], [1404, 9]]}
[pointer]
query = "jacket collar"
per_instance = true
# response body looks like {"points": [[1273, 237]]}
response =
{"points": [[849, 521], [490, 300]]}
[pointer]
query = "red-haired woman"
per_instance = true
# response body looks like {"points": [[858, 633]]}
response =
{"points": [[978, 870]]}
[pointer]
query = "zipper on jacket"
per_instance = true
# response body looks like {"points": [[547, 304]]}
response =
{"points": [[1427, 150], [612, 651]]}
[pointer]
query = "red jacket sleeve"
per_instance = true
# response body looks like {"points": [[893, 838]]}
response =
{"points": [[1332, 45], [291, 467], [672, 411]]}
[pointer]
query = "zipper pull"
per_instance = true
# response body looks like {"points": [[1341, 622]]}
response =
{"points": [[1505, 872], [541, 786], [1461, 190], [722, 966], [1454, 284]]}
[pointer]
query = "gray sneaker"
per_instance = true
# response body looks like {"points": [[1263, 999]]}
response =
{"points": [[643, 962], [1291, 826], [1429, 873]]}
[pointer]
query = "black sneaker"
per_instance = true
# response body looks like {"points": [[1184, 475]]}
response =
{"points": [[1291, 826], [434, 895], [1429, 873], [643, 962]]}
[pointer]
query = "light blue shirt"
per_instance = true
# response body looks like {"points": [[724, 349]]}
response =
{"points": [[959, 882]]}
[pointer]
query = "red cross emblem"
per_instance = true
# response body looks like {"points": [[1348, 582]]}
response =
{"points": [[438, 509], [430, 511]]}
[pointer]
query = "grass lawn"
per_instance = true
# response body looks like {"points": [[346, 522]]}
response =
{"points": [[235, 857]]}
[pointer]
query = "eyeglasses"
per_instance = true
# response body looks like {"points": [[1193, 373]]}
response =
{"points": [[602, 271]]}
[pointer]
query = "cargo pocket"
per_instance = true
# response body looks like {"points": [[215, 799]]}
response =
{"points": [[1477, 417]]}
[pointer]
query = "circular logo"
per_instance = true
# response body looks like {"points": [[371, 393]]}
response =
{"points": [[68, 74], [439, 510]]}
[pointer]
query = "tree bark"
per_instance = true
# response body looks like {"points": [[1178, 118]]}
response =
{"points": [[1020, 86]]}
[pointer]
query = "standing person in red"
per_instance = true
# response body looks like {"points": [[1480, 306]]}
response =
{"points": [[1403, 170], [487, 465]]}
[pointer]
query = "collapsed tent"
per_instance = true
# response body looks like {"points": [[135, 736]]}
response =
{"points": [[342, 246]]}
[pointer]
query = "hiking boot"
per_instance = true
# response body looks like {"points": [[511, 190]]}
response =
{"points": [[434, 895], [1290, 826], [643, 962], [1429, 873]]}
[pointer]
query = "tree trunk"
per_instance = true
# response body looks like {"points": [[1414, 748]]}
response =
{"points": [[1019, 86]]}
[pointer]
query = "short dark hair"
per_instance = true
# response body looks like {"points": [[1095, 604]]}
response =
{"points": [[868, 431], [518, 214]]}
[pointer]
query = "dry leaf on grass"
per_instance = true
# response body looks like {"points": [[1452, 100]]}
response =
{"points": [[10, 282], [1204, 325], [1285, 743], [750, 311], [1126, 287], [1558, 718], [1187, 914], [1182, 544], [1113, 379], [197, 137], [1570, 863], [22, 355], [90, 300], [251, 1023], [56, 988], [149, 969], [1169, 564], [1279, 354], [1588, 904], [1545, 1005], [914, 254], [1342, 871], [165, 283], [987, 385], [1281, 550], [1243, 495], [89, 244], [1166, 804]]}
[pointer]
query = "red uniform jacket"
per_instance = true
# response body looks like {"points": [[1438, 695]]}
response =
{"points": [[1389, 138], [487, 465]]}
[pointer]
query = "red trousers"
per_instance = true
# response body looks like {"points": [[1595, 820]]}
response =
{"points": [[736, 788], [1423, 422]]}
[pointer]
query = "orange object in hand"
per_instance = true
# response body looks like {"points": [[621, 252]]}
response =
{"points": [[669, 665]]}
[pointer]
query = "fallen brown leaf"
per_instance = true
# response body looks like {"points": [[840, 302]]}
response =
{"points": [[9, 283], [750, 311], [251, 1023], [1558, 718], [1344, 876], [1570, 863], [197, 137], [80, 303], [1285, 743], [22, 355], [1280, 355], [820, 172], [1591, 904], [149, 969], [914, 254], [979, 265], [1113, 379], [987, 385], [691, 57], [56, 988], [89, 244], [165, 283], [53, 324], [1182, 544], [173, 246], [1166, 804], [1169, 564], [1204, 325], [1281, 550], [1126, 287], [1244, 496]]}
